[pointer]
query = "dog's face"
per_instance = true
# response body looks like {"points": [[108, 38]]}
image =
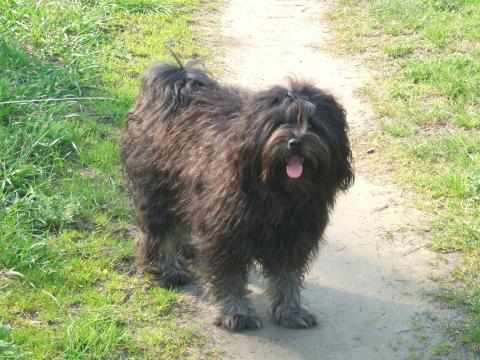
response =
{"points": [[295, 151], [301, 138]]}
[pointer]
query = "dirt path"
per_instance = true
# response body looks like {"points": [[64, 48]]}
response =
{"points": [[365, 286]]}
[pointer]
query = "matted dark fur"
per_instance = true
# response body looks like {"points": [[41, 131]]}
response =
{"points": [[207, 165]]}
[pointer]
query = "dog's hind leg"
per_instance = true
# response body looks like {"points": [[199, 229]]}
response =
{"points": [[287, 311], [236, 311], [157, 254], [157, 245]]}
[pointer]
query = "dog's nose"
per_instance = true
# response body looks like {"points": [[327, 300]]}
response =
{"points": [[294, 143]]}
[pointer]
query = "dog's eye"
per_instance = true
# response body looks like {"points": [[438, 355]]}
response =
{"points": [[314, 128]]}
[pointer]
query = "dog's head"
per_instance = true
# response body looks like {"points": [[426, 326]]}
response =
{"points": [[297, 136]]}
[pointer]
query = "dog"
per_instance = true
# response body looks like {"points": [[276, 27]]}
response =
{"points": [[243, 178]]}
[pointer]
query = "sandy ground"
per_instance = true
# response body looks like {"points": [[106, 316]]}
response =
{"points": [[366, 284]]}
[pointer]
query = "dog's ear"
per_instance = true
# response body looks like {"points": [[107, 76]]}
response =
{"points": [[246, 180], [342, 153], [246, 168], [247, 161], [345, 172], [331, 118]]}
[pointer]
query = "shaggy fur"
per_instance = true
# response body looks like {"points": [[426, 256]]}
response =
{"points": [[207, 165]]}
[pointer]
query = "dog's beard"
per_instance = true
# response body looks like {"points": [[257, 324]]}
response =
{"points": [[298, 167]]}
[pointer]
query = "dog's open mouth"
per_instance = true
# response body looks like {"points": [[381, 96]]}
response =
{"points": [[295, 167]]}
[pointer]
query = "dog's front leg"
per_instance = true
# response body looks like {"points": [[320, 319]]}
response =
{"points": [[236, 311], [287, 310]]}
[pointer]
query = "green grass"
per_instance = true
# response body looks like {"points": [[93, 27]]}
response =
{"points": [[443, 348], [427, 97], [65, 248]]}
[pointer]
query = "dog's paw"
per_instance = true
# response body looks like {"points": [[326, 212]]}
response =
{"points": [[238, 322], [172, 278], [188, 252], [294, 318]]}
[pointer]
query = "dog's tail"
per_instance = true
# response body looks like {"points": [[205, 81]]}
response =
{"points": [[167, 87]]}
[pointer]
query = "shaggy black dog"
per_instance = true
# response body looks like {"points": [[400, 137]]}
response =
{"points": [[245, 178]]}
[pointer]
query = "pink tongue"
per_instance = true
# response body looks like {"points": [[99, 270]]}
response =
{"points": [[295, 167]]}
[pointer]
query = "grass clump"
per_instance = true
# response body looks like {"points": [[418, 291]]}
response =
{"points": [[428, 99], [66, 289]]}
